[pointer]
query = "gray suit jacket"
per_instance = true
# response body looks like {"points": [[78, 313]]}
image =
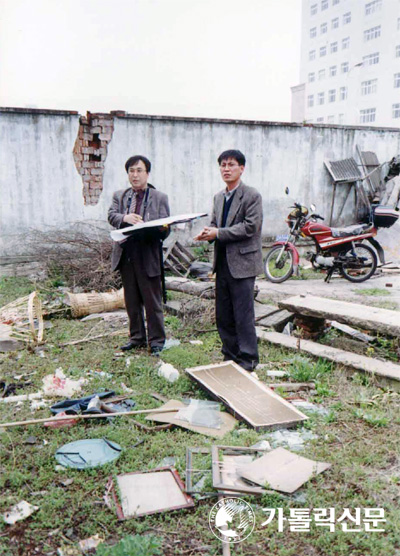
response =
{"points": [[242, 232], [147, 241]]}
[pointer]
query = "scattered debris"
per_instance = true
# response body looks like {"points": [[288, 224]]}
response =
{"points": [[109, 316], [228, 422], [276, 320], [84, 454], [169, 461], [171, 342], [226, 464], [352, 332], [20, 511], [58, 421], [58, 384], [293, 386], [79, 405], [200, 270], [7, 342], [90, 339], [250, 399], [196, 342], [90, 544], [30, 440], [281, 470], [148, 492], [22, 398], [295, 440], [168, 371], [312, 407], [261, 445], [202, 413]]}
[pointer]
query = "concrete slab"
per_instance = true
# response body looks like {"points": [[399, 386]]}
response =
{"points": [[354, 314], [386, 373]]}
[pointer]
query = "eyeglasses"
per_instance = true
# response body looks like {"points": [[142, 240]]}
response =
{"points": [[229, 165]]}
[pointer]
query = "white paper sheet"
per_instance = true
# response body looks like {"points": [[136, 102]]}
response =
{"points": [[123, 233]]}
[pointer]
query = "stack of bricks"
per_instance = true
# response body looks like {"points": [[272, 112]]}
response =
{"points": [[90, 153]]}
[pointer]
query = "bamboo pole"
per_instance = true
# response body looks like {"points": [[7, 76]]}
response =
{"points": [[86, 416], [74, 342]]}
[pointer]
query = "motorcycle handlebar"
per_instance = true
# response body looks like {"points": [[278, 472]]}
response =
{"points": [[318, 216]]}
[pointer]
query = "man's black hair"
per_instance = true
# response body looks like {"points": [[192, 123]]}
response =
{"points": [[233, 153], [134, 159]]}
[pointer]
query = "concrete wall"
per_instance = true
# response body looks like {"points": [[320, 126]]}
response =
{"points": [[40, 186]]}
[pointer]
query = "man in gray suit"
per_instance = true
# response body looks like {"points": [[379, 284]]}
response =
{"points": [[139, 258], [236, 229]]}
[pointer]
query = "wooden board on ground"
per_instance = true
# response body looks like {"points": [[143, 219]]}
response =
{"points": [[228, 422], [276, 320], [261, 310], [354, 314], [384, 372], [246, 397], [281, 470]]}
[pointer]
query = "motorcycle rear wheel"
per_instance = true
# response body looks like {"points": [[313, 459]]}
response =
{"points": [[278, 271], [361, 268]]}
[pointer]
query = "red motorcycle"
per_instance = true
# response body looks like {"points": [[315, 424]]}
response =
{"points": [[336, 249]]}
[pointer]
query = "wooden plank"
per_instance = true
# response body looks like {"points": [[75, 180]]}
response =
{"points": [[261, 310], [246, 397], [186, 251], [353, 314], [276, 320], [385, 372]]}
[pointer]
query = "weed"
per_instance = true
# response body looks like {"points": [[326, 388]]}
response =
{"points": [[372, 291], [306, 370], [137, 545]]}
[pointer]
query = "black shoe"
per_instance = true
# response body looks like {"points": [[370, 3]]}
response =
{"points": [[133, 345], [156, 350]]}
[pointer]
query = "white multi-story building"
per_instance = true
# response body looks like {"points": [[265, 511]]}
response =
{"points": [[350, 63]]}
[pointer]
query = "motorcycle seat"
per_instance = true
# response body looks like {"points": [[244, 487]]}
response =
{"points": [[348, 231]]}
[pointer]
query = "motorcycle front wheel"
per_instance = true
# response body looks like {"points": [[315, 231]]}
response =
{"points": [[360, 267], [278, 264]]}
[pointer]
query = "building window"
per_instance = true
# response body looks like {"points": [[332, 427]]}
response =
{"points": [[323, 28], [343, 93], [396, 80], [324, 5], [320, 120], [322, 51], [341, 119], [332, 95], [331, 119], [321, 75], [396, 110], [310, 101], [321, 98], [311, 77], [311, 55], [346, 18], [398, 51], [335, 23], [371, 59], [332, 71], [313, 9], [367, 116], [372, 7], [345, 43], [369, 87], [334, 47], [372, 33], [344, 67], [313, 33]]}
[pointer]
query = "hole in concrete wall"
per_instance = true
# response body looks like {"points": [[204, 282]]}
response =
{"points": [[90, 152]]}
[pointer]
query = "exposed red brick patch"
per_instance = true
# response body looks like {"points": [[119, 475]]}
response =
{"points": [[90, 152]]}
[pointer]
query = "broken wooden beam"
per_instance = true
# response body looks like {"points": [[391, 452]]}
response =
{"points": [[385, 373], [205, 290], [384, 321]]}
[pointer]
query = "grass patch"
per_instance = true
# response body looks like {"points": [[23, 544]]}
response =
{"points": [[359, 437], [372, 292]]}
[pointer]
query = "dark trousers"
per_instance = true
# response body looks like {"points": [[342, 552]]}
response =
{"points": [[234, 307], [142, 293]]}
